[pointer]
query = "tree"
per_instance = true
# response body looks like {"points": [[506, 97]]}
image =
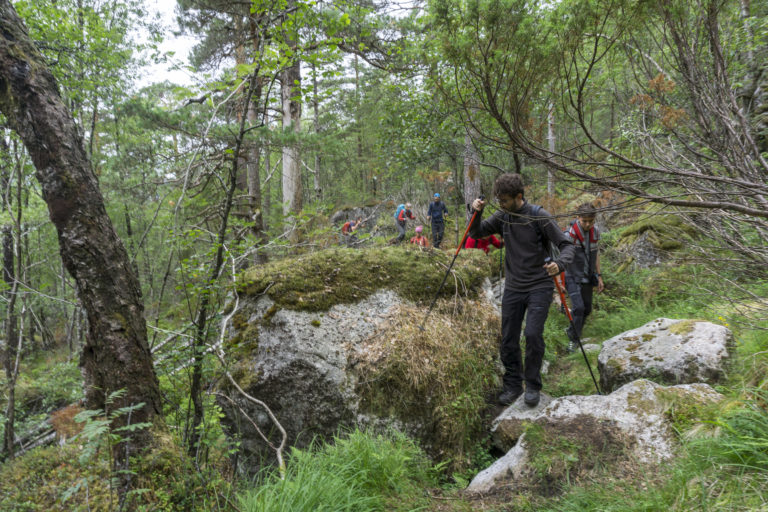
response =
{"points": [[116, 355], [685, 141], [290, 88]]}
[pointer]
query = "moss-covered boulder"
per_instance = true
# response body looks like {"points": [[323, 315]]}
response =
{"points": [[333, 340], [651, 240], [667, 351], [577, 438]]}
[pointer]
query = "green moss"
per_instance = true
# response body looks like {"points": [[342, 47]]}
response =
{"points": [[665, 232], [685, 409], [666, 224], [632, 347], [637, 402], [315, 323], [39, 480], [635, 360], [683, 327], [269, 313], [318, 281], [648, 336]]}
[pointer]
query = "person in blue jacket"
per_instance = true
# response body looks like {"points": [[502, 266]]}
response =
{"points": [[435, 213]]}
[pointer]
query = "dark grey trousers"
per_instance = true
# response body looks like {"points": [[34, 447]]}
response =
{"points": [[514, 307]]}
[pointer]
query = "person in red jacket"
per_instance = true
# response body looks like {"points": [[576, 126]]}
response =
{"points": [[484, 243], [402, 216]]}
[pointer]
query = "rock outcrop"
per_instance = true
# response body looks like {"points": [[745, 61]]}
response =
{"points": [[631, 425], [299, 366], [666, 351], [330, 342]]}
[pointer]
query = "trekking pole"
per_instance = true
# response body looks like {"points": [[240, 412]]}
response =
{"points": [[463, 239], [559, 280]]}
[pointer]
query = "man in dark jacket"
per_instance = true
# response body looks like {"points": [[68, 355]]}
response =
{"points": [[527, 231], [435, 213]]}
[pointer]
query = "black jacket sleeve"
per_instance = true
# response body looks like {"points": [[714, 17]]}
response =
{"points": [[553, 233], [491, 226]]}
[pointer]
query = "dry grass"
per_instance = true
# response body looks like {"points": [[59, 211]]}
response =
{"points": [[438, 377]]}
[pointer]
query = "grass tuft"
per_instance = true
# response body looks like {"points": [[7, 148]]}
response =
{"points": [[360, 472]]}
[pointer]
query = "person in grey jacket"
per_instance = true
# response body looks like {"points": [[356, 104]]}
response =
{"points": [[527, 231], [583, 274]]}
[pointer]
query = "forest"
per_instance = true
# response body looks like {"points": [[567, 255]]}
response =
{"points": [[166, 242]]}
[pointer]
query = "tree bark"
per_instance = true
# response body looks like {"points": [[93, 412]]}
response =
{"points": [[115, 355], [551, 142], [316, 122], [292, 192], [472, 184], [290, 90], [11, 335]]}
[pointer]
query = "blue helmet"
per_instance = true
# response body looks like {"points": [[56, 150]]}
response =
{"points": [[437, 195]]}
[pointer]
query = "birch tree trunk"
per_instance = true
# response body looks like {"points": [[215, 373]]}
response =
{"points": [[116, 355]]}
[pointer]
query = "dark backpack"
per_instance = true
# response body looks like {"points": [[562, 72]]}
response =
{"points": [[545, 244]]}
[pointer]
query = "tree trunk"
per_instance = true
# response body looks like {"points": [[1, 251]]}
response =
{"points": [[551, 141], [472, 184], [267, 194], [292, 192], [316, 119], [116, 355], [290, 92], [9, 352]]}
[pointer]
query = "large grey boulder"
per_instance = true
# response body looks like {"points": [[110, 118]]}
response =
{"points": [[633, 424], [667, 351], [300, 368]]}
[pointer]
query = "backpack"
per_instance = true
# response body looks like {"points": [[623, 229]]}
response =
{"points": [[399, 209], [345, 228], [548, 247]]}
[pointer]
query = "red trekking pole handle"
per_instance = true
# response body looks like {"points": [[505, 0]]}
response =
{"points": [[559, 280]]}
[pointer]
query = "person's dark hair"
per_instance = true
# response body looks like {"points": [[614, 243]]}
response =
{"points": [[510, 184], [586, 210]]}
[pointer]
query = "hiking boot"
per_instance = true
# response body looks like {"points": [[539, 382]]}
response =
{"points": [[571, 334], [509, 396], [531, 397], [571, 348]]}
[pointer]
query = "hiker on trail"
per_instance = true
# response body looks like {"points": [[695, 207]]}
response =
{"points": [[402, 214], [351, 226], [435, 213], [484, 243], [420, 239], [583, 274], [527, 231]]}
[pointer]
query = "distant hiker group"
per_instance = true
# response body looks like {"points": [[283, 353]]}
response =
{"points": [[536, 251], [435, 215]]}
